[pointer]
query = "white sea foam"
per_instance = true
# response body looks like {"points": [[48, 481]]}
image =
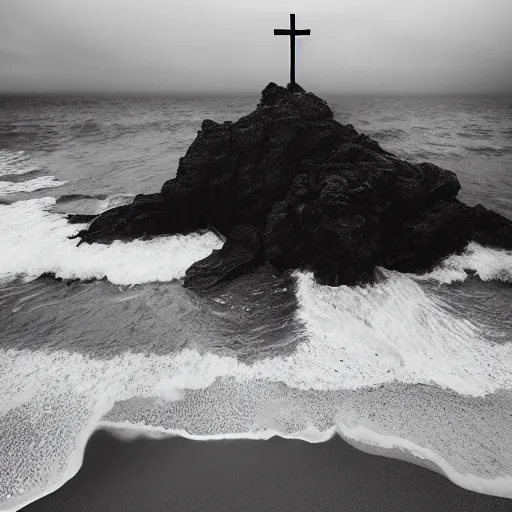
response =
{"points": [[358, 336], [358, 339], [210, 397], [15, 163], [19, 163], [34, 240], [395, 330], [488, 264], [10, 187]]}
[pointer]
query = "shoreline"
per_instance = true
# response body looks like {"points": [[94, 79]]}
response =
{"points": [[360, 438], [175, 473]]}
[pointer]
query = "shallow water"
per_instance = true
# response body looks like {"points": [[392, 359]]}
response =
{"points": [[421, 366]]}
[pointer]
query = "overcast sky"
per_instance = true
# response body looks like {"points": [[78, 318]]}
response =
{"points": [[228, 46]]}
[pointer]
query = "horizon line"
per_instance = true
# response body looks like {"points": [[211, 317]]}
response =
{"points": [[245, 94]]}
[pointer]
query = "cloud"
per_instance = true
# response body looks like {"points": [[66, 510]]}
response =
{"points": [[199, 46]]}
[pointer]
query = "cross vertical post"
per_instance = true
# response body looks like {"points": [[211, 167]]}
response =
{"points": [[292, 32], [292, 48]]}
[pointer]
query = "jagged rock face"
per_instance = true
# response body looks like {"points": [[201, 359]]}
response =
{"points": [[253, 161], [321, 195]]}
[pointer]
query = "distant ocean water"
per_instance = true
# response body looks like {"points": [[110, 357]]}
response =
{"points": [[418, 367]]}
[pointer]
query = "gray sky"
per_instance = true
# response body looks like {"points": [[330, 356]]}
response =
{"points": [[228, 46]]}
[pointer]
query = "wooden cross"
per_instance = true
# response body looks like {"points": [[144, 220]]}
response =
{"points": [[292, 33]]}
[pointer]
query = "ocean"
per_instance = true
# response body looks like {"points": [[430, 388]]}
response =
{"points": [[97, 337]]}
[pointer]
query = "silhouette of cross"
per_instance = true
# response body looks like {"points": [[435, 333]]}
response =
{"points": [[292, 33]]}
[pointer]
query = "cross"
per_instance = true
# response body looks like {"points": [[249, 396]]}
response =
{"points": [[292, 33]]}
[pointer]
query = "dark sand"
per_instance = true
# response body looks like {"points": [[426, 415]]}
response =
{"points": [[176, 474]]}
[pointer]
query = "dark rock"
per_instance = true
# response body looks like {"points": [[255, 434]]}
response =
{"points": [[494, 230], [146, 216], [322, 195], [444, 228], [147, 198], [79, 218], [242, 251], [441, 184]]}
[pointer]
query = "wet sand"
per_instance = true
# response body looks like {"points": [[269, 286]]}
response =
{"points": [[176, 474]]}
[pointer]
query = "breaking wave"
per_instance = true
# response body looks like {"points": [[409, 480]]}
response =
{"points": [[361, 372], [331, 383], [32, 228], [9, 187], [379, 365], [395, 330], [18, 163], [35, 241], [488, 264]]}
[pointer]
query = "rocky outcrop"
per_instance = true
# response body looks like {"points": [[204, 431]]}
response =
{"points": [[316, 194], [442, 229], [242, 251]]}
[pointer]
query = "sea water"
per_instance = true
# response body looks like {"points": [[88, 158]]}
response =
{"points": [[416, 367]]}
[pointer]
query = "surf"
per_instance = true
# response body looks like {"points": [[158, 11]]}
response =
{"points": [[36, 241], [383, 358], [369, 355]]}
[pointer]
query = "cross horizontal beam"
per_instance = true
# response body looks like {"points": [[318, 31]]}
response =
{"points": [[288, 32]]}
